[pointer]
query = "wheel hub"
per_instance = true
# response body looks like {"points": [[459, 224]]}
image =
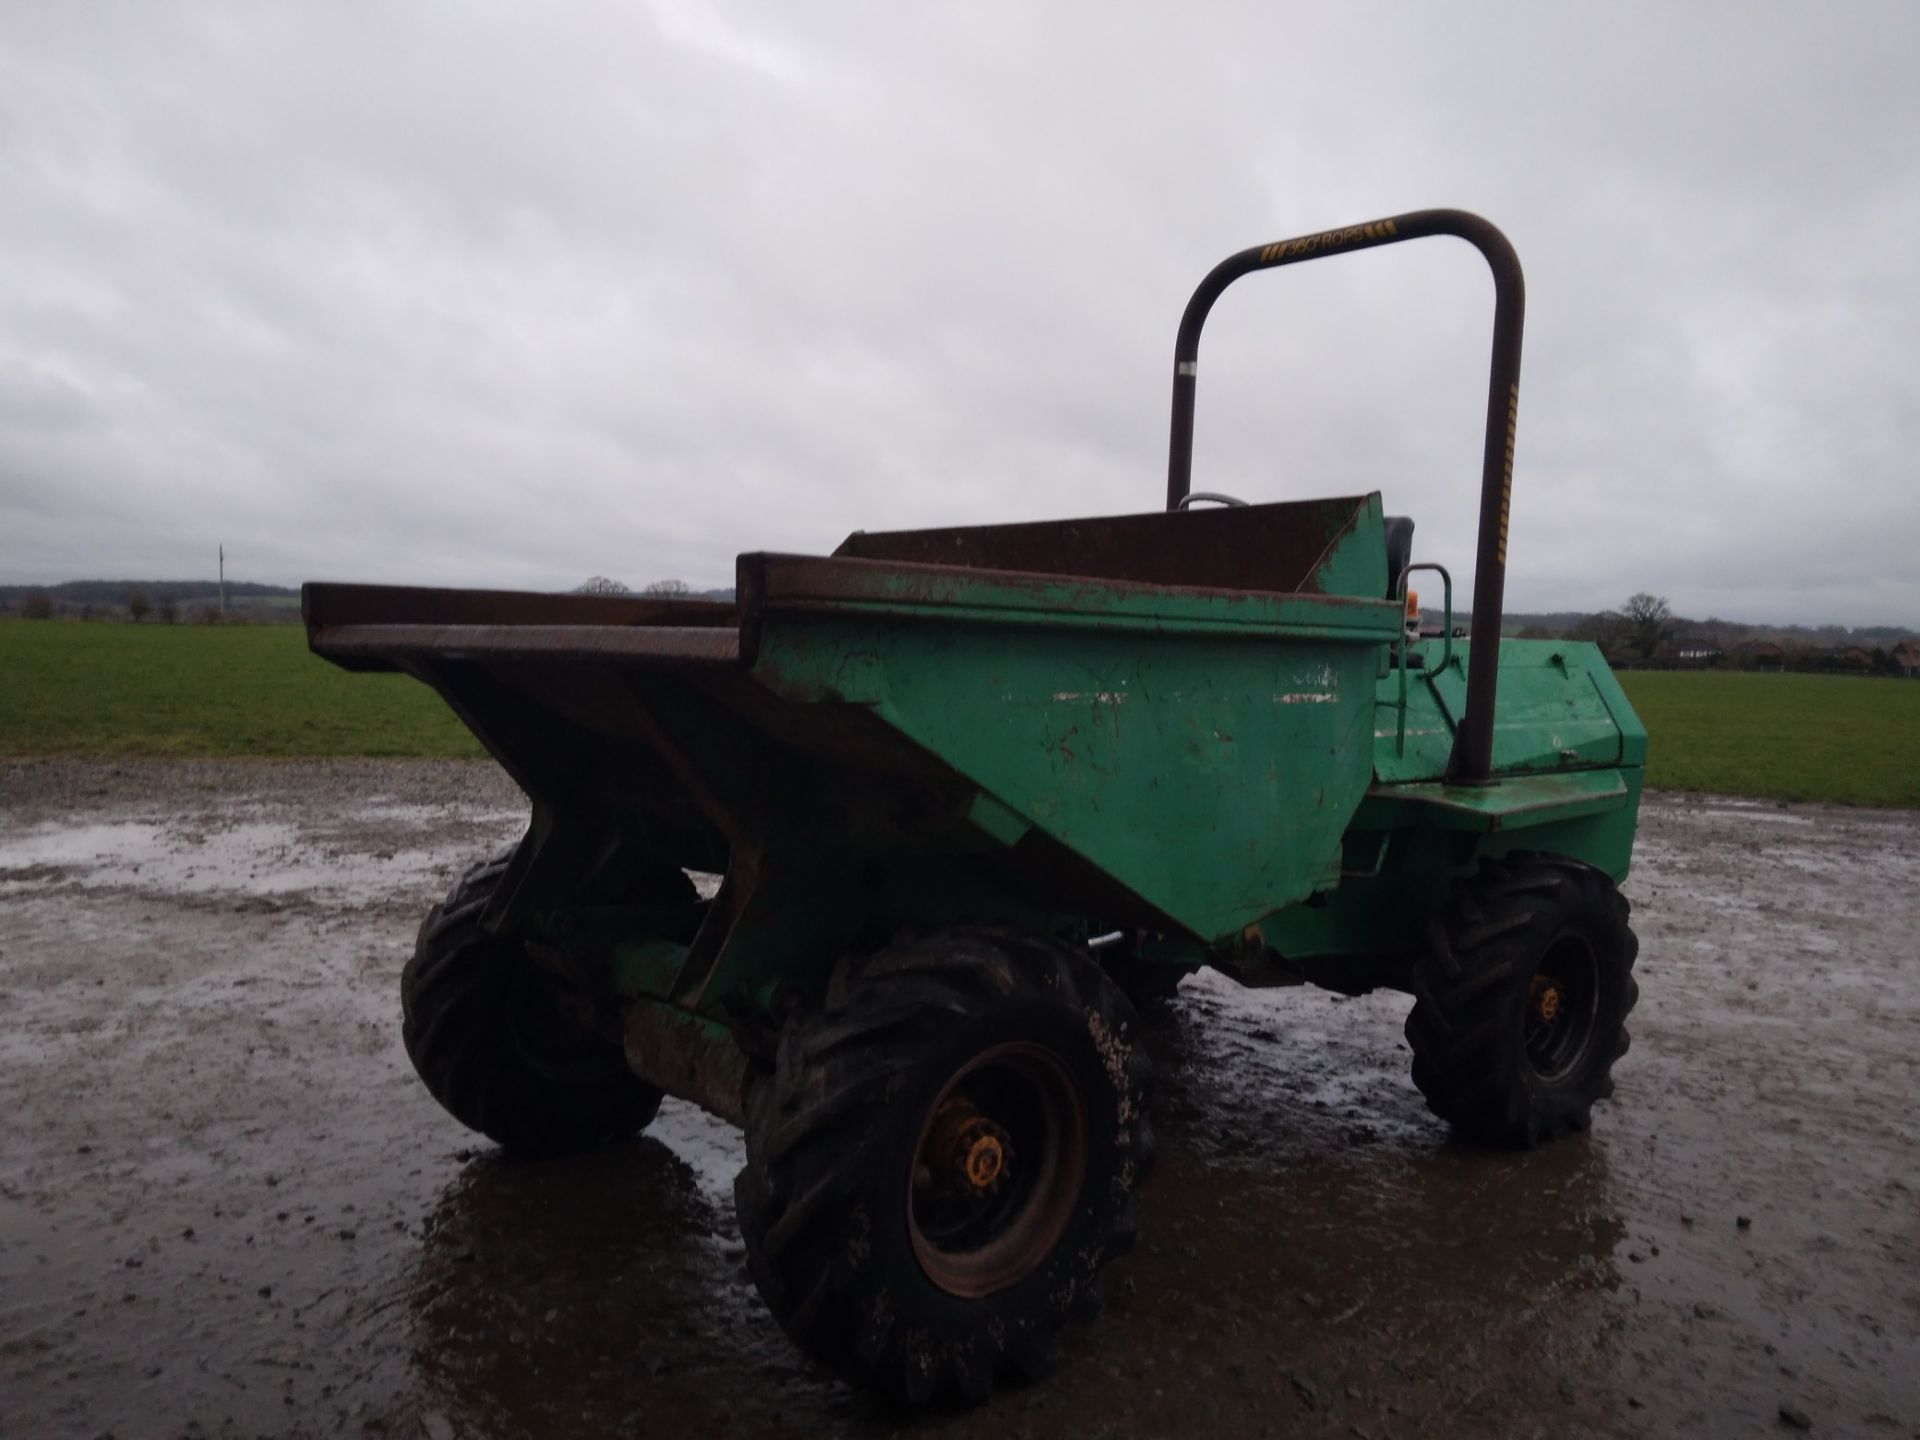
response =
{"points": [[998, 1170], [1545, 1000], [966, 1151], [1562, 1004]]}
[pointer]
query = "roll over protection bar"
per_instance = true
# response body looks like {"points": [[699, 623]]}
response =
{"points": [[1471, 761]]}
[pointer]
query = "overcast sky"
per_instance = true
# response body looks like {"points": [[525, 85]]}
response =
{"points": [[471, 293]]}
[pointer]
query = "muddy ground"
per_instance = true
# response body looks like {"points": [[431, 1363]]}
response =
{"points": [[228, 1208]]}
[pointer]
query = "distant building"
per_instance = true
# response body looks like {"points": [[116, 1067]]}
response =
{"points": [[1905, 657], [1763, 654], [1696, 649], [1850, 657]]}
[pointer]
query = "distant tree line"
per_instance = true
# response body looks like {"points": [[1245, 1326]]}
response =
{"points": [[41, 605], [1645, 633], [658, 589], [116, 592], [166, 601], [247, 603]]}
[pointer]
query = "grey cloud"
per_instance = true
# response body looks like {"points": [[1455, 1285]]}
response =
{"points": [[488, 294]]}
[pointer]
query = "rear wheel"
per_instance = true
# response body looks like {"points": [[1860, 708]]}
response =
{"points": [[493, 1035], [1521, 1003], [943, 1160]]}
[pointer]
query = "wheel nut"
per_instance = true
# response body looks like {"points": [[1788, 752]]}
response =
{"points": [[1546, 1000], [966, 1151], [984, 1159]]}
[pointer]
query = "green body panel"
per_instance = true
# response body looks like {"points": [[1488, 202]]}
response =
{"points": [[1204, 750], [1409, 842], [1569, 752], [1558, 707], [1210, 775]]}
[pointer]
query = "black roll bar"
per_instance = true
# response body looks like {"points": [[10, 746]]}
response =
{"points": [[1471, 762]]}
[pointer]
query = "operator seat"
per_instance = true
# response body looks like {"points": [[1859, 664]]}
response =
{"points": [[1399, 530]]}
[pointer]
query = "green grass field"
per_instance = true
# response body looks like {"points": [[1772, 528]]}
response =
{"points": [[121, 689], [1781, 737], [68, 688]]}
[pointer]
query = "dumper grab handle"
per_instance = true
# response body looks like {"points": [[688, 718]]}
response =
{"points": [[1472, 760]]}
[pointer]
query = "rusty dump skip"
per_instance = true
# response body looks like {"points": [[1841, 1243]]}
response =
{"points": [[378, 627], [669, 644], [1276, 548]]}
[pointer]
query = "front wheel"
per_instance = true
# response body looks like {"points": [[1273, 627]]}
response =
{"points": [[494, 1039], [1522, 999], [943, 1159]]}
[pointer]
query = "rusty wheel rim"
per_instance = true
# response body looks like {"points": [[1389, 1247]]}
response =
{"points": [[1562, 1003], [997, 1170]]}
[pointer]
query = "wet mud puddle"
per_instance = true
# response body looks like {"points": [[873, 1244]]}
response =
{"points": [[227, 1207]]}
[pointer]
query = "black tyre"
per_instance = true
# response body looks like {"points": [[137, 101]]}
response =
{"points": [[1521, 1003], [943, 1160], [494, 1039]]}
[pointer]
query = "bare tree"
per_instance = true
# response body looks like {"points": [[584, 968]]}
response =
{"points": [[601, 585], [137, 605], [168, 611], [1650, 623], [670, 589], [38, 605]]}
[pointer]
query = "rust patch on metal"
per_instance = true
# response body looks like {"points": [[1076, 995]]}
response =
{"points": [[640, 645], [1271, 548], [687, 1058], [324, 604]]}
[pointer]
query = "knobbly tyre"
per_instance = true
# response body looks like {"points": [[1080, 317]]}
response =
{"points": [[974, 794]]}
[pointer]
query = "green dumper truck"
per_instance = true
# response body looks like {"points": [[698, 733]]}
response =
{"points": [[973, 795]]}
